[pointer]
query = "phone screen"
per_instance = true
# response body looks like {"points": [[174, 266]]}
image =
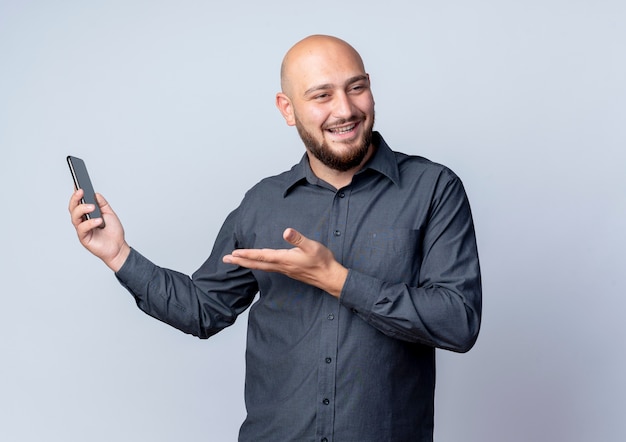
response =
{"points": [[82, 181]]}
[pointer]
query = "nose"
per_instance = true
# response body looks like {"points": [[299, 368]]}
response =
{"points": [[342, 106]]}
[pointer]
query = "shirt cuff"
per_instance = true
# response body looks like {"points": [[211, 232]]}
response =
{"points": [[360, 292], [136, 272]]}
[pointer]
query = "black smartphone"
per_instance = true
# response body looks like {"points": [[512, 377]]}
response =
{"points": [[82, 181]]}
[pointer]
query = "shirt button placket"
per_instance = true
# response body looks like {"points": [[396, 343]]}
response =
{"points": [[326, 378], [330, 327]]}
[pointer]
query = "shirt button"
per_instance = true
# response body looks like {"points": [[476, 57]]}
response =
{"points": [[331, 317], [329, 360], [337, 233], [324, 439], [326, 401], [342, 195]]}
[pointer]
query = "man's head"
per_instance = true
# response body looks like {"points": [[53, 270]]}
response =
{"points": [[326, 95]]}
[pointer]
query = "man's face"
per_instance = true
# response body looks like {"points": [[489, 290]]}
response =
{"points": [[355, 147], [333, 107]]}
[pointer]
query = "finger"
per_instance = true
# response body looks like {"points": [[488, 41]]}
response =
{"points": [[251, 260], [75, 199], [79, 212], [259, 255], [87, 226], [295, 238], [103, 202]]}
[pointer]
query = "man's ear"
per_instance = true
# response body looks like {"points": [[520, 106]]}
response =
{"points": [[283, 103]]}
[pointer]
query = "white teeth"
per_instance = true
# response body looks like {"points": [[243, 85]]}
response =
{"points": [[343, 130]]}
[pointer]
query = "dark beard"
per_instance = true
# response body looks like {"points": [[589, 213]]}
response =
{"points": [[327, 157]]}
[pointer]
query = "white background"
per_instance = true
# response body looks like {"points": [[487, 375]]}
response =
{"points": [[170, 103]]}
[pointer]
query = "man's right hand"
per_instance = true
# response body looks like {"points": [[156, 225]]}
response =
{"points": [[108, 243]]}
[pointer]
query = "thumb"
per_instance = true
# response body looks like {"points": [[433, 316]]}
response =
{"points": [[102, 202], [293, 237]]}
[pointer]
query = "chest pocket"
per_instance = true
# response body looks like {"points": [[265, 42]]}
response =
{"points": [[391, 254]]}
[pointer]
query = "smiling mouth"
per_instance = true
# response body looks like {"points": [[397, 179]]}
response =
{"points": [[342, 130]]}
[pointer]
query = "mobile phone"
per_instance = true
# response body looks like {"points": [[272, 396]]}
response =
{"points": [[82, 181]]}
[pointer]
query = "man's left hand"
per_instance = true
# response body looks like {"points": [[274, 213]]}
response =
{"points": [[308, 261]]}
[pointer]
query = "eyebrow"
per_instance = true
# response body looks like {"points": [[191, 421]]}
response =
{"points": [[325, 86]]}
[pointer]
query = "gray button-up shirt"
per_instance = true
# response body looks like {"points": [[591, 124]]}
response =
{"points": [[359, 368]]}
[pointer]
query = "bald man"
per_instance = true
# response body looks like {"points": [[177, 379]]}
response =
{"points": [[364, 259]]}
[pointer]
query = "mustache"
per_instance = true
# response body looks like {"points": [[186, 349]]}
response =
{"points": [[342, 121]]}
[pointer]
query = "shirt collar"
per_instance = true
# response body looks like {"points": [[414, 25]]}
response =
{"points": [[383, 161]]}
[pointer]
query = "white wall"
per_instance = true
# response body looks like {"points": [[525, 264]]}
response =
{"points": [[171, 105]]}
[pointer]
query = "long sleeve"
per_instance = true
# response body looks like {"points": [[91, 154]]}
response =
{"points": [[200, 305], [444, 308]]}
